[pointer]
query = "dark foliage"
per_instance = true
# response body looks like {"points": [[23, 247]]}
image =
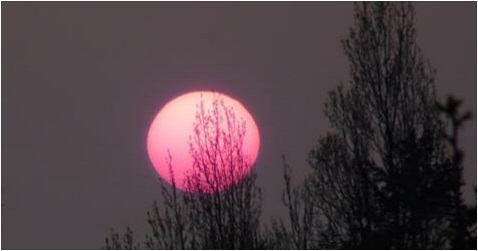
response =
{"points": [[463, 236], [385, 178]]}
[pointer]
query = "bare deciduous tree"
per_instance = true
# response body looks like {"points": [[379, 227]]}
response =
{"points": [[303, 218], [222, 209], [227, 208]]}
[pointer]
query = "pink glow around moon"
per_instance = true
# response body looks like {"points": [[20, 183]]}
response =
{"points": [[173, 126]]}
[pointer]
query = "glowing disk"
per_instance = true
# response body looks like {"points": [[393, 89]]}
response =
{"points": [[173, 127]]}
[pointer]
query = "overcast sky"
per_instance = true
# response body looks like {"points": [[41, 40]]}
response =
{"points": [[81, 83]]}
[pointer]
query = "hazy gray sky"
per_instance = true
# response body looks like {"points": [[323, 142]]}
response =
{"points": [[81, 83]]}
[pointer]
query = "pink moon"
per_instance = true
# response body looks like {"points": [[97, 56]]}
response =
{"points": [[173, 127]]}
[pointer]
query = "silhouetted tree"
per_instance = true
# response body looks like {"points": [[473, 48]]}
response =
{"points": [[470, 219], [168, 225], [303, 220], [385, 178], [223, 211], [463, 217], [224, 218], [124, 241]]}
